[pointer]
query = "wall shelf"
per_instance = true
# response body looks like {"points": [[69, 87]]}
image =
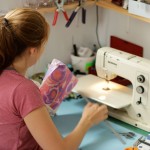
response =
{"points": [[107, 4], [102, 3], [66, 7]]}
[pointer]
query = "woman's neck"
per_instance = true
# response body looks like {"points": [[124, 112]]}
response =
{"points": [[20, 66], [18, 69]]}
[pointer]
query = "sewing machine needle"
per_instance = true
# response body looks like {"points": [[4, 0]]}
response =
{"points": [[115, 133]]}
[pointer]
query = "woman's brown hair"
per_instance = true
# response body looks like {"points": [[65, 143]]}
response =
{"points": [[20, 29]]}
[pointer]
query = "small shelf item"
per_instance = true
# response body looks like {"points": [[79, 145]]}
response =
{"points": [[109, 5]]}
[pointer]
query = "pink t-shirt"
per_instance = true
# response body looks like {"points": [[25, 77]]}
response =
{"points": [[18, 97]]}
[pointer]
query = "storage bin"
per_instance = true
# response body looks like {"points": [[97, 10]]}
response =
{"points": [[82, 63]]}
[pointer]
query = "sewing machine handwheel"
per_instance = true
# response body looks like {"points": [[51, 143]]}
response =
{"points": [[141, 79], [140, 89]]}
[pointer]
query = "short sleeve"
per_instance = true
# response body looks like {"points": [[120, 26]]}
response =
{"points": [[27, 97]]}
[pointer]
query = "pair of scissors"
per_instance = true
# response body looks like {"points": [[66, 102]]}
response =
{"points": [[59, 8], [131, 148], [80, 5], [128, 135], [134, 147]]}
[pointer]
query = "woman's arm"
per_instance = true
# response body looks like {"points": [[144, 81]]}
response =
{"points": [[43, 129], [92, 115], [46, 134]]}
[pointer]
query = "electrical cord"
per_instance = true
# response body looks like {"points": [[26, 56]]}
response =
{"points": [[97, 21]]}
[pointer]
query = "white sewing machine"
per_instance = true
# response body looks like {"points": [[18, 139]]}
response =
{"points": [[129, 104]]}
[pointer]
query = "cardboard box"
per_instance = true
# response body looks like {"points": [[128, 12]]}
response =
{"points": [[139, 8]]}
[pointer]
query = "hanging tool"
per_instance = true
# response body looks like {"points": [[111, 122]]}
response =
{"points": [[83, 15], [80, 5], [59, 6]]}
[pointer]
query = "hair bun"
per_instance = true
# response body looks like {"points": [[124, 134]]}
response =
{"points": [[5, 22]]}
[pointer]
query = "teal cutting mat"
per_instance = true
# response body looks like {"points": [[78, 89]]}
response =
{"points": [[98, 137]]}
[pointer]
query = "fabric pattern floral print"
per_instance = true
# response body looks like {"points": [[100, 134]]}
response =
{"points": [[57, 84]]}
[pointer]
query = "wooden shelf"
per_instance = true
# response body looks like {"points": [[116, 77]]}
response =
{"points": [[66, 7], [111, 6], [102, 3]]}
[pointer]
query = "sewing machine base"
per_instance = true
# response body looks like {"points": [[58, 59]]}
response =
{"points": [[123, 116], [93, 87], [118, 98]]}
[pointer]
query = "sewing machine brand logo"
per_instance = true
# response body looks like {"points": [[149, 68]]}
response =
{"points": [[113, 63]]}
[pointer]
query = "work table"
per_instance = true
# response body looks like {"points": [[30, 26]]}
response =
{"points": [[98, 137]]}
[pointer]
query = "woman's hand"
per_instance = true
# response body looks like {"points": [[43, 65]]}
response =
{"points": [[94, 113], [47, 136]]}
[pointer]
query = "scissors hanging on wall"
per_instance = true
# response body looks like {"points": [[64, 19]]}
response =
{"points": [[72, 16], [59, 6]]}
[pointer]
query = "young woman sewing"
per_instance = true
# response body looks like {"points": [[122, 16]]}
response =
{"points": [[25, 123]]}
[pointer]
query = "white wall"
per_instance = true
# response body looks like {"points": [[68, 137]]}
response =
{"points": [[110, 23], [125, 27], [61, 38]]}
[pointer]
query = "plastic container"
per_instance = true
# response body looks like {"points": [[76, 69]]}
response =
{"points": [[82, 63]]}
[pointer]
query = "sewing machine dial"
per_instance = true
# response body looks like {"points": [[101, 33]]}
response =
{"points": [[141, 79], [140, 89]]}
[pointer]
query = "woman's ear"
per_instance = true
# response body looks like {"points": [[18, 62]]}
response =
{"points": [[32, 50]]}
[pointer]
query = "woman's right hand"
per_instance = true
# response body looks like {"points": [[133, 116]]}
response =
{"points": [[94, 113]]}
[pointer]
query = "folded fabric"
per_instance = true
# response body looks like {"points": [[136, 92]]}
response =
{"points": [[57, 84]]}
